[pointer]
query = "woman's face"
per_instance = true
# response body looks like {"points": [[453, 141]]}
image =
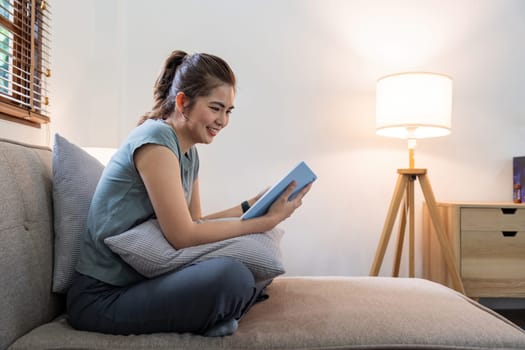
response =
{"points": [[210, 114]]}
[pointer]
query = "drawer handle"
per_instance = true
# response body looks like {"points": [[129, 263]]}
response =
{"points": [[509, 233], [508, 210]]}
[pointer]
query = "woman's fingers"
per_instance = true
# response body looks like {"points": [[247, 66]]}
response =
{"points": [[289, 190], [301, 194], [305, 190], [285, 207], [259, 195], [298, 198]]}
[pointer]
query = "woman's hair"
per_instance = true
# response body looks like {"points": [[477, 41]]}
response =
{"points": [[196, 75]]}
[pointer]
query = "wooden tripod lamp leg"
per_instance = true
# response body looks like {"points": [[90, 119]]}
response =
{"points": [[440, 232], [389, 224], [411, 227], [400, 238]]}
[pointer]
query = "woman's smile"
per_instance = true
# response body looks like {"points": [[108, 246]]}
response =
{"points": [[213, 131]]}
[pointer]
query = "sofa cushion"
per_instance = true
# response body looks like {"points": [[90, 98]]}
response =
{"points": [[26, 240], [327, 313], [75, 177], [145, 248]]}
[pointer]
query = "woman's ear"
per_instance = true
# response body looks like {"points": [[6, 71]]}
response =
{"points": [[180, 100]]}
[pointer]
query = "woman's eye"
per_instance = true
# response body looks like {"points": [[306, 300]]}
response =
{"points": [[216, 109]]}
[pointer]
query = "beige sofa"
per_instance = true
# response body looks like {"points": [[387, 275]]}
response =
{"points": [[301, 313]]}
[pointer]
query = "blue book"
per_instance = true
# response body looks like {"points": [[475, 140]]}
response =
{"points": [[301, 174]]}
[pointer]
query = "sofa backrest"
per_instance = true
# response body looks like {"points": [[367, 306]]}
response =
{"points": [[26, 240]]}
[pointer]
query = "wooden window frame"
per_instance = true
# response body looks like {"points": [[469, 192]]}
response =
{"points": [[27, 103]]}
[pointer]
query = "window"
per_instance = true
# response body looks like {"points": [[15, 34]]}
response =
{"points": [[24, 61]]}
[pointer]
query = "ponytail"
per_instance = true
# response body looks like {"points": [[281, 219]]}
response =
{"points": [[162, 104], [195, 75]]}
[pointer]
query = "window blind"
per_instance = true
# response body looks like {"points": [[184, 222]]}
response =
{"points": [[25, 60]]}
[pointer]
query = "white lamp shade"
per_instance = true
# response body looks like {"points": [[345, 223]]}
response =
{"points": [[414, 105]]}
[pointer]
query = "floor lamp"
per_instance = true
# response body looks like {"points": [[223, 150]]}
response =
{"points": [[411, 106]]}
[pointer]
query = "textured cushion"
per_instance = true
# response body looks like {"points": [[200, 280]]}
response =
{"points": [[327, 313], [26, 240], [147, 251], [75, 177]]}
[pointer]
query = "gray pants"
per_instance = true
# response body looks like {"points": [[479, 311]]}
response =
{"points": [[193, 299]]}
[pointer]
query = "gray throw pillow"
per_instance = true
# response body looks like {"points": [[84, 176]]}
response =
{"points": [[75, 177], [145, 248]]}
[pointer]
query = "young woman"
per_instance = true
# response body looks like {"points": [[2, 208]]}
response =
{"points": [[155, 174]]}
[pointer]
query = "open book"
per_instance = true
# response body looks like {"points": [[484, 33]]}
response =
{"points": [[301, 174]]}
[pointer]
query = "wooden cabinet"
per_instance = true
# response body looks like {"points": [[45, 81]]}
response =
{"points": [[488, 242]]}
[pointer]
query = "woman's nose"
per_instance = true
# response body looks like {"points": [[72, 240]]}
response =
{"points": [[223, 119]]}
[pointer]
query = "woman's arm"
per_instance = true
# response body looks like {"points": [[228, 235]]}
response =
{"points": [[196, 212], [160, 170], [228, 213], [195, 202], [235, 211]]}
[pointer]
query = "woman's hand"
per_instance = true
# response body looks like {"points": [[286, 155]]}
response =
{"points": [[282, 208], [252, 200]]}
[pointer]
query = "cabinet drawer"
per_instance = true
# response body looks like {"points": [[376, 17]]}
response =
{"points": [[493, 254], [492, 219]]}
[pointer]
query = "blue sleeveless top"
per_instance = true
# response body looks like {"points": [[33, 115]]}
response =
{"points": [[121, 202]]}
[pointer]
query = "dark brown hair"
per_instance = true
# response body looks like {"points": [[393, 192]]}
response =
{"points": [[196, 75]]}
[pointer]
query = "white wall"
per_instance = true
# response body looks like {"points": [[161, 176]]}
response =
{"points": [[24, 133], [307, 73]]}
